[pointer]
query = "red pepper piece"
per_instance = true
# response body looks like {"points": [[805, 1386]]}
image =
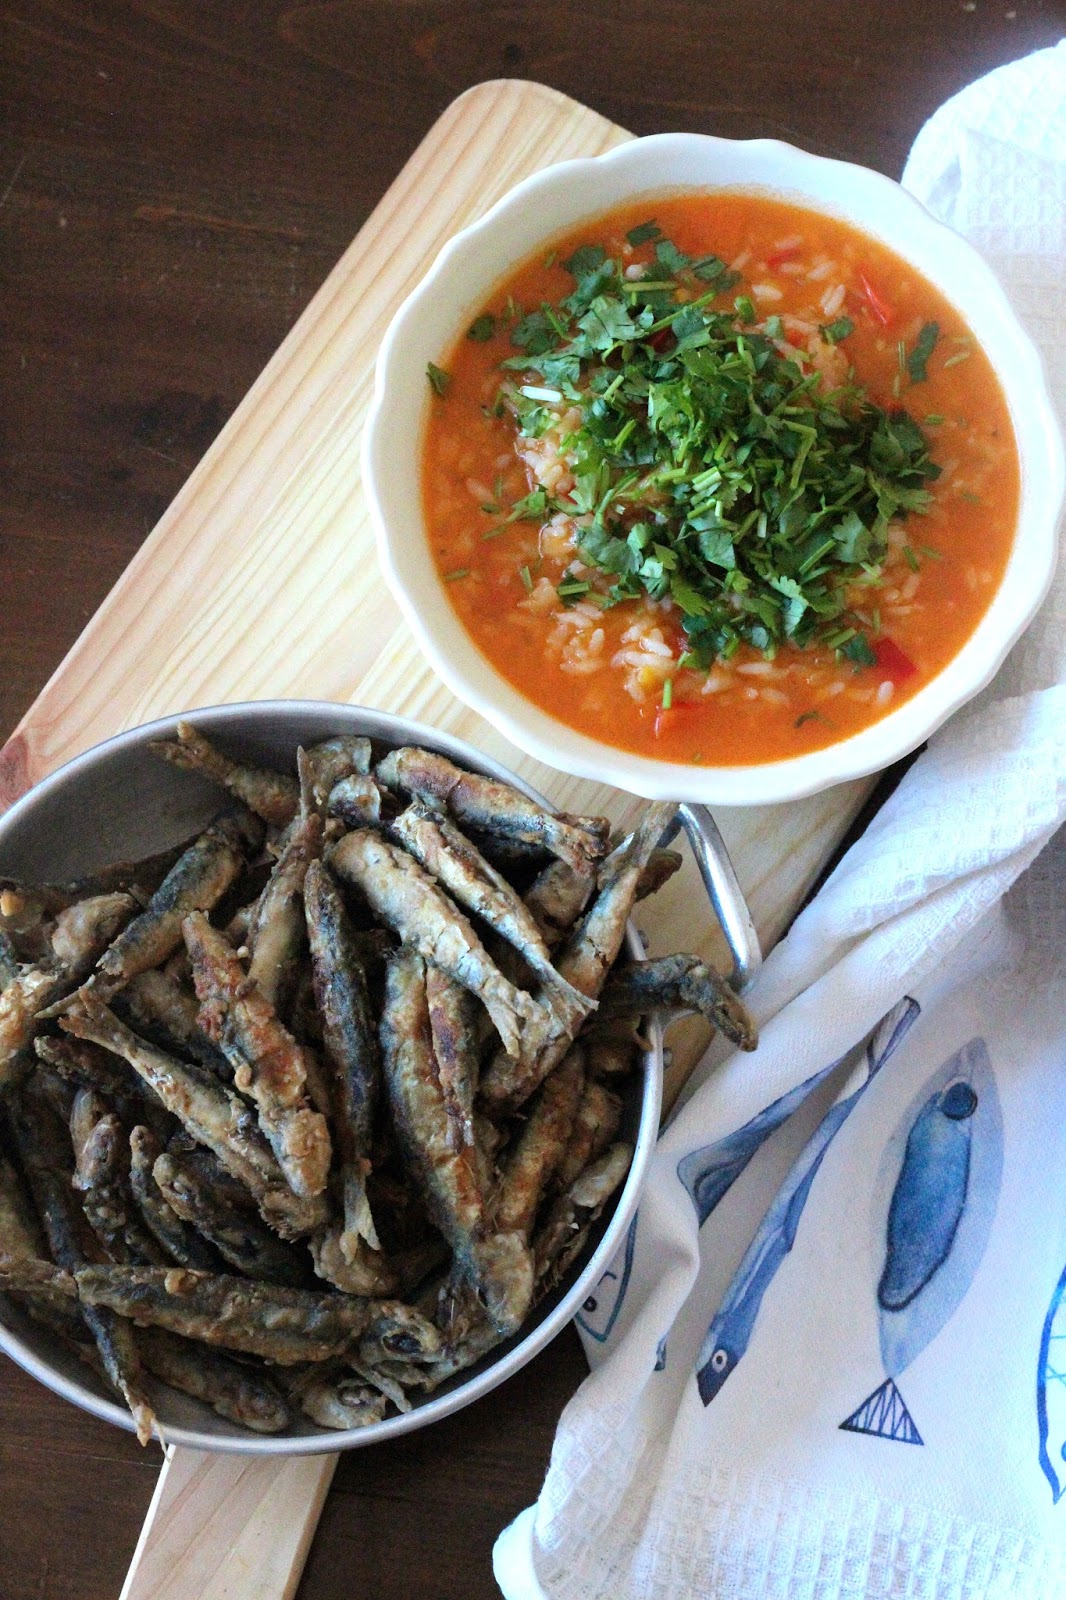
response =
{"points": [[893, 662], [668, 717], [880, 307], [789, 253], [662, 340]]}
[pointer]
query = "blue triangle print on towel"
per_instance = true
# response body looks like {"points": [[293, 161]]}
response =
{"points": [[885, 1416]]}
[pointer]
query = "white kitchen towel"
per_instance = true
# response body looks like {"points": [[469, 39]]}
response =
{"points": [[869, 1399]]}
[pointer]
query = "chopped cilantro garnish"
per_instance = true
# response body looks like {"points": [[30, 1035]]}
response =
{"points": [[643, 233], [482, 328], [835, 331], [858, 650], [439, 381], [704, 466], [918, 360]]}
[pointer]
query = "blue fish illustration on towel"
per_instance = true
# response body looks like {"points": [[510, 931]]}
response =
{"points": [[937, 1224], [710, 1172], [730, 1331], [599, 1312], [1051, 1392]]}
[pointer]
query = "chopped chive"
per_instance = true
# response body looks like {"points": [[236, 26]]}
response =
{"points": [[494, 533], [550, 259], [901, 356], [910, 558], [524, 574], [460, 572], [807, 716], [668, 694], [934, 420], [953, 361], [745, 308], [968, 494], [439, 380], [930, 552]]}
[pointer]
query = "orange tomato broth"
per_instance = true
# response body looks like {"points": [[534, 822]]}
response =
{"points": [[970, 525]]}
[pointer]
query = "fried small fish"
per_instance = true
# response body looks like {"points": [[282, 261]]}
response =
{"points": [[406, 898], [268, 1065], [341, 1402], [584, 960], [334, 761], [271, 795], [542, 1144], [355, 802], [679, 984], [237, 1234], [101, 1178], [496, 807], [286, 1326], [449, 857], [276, 935], [564, 1233], [213, 1114], [594, 1125], [235, 1390], [81, 932], [182, 1243], [44, 1151], [497, 1263], [196, 882], [353, 1055]]}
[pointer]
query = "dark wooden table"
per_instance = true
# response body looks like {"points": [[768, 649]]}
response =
{"points": [[176, 179]]}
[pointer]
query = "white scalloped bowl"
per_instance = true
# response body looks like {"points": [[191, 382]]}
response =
{"points": [[462, 280]]}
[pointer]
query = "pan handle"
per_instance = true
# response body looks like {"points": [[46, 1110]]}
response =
{"points": [[723, 889]]}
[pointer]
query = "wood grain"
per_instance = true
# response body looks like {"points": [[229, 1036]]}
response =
{"points": [[228, 1528], [176, 181]]}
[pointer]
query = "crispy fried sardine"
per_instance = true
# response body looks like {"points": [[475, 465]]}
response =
{"points": [[679, 983], [196, 882], [282, 1325], [268, 1065], [584, 960], [236, 1391], [271, 795], [497, 1263], [456, 864], [488, 804], [405, 897], [213, 1114]]}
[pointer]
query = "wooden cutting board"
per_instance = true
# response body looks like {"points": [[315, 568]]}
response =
{"points": [[261, 581]]}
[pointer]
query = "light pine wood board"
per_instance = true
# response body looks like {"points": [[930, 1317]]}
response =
{"points": [[260, 581]]}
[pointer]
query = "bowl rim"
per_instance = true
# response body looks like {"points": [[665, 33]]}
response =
{"points": [[487, 1374], [469, 674]]}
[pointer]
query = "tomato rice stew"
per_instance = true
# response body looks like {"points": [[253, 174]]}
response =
{"points": [[718, 479]]}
